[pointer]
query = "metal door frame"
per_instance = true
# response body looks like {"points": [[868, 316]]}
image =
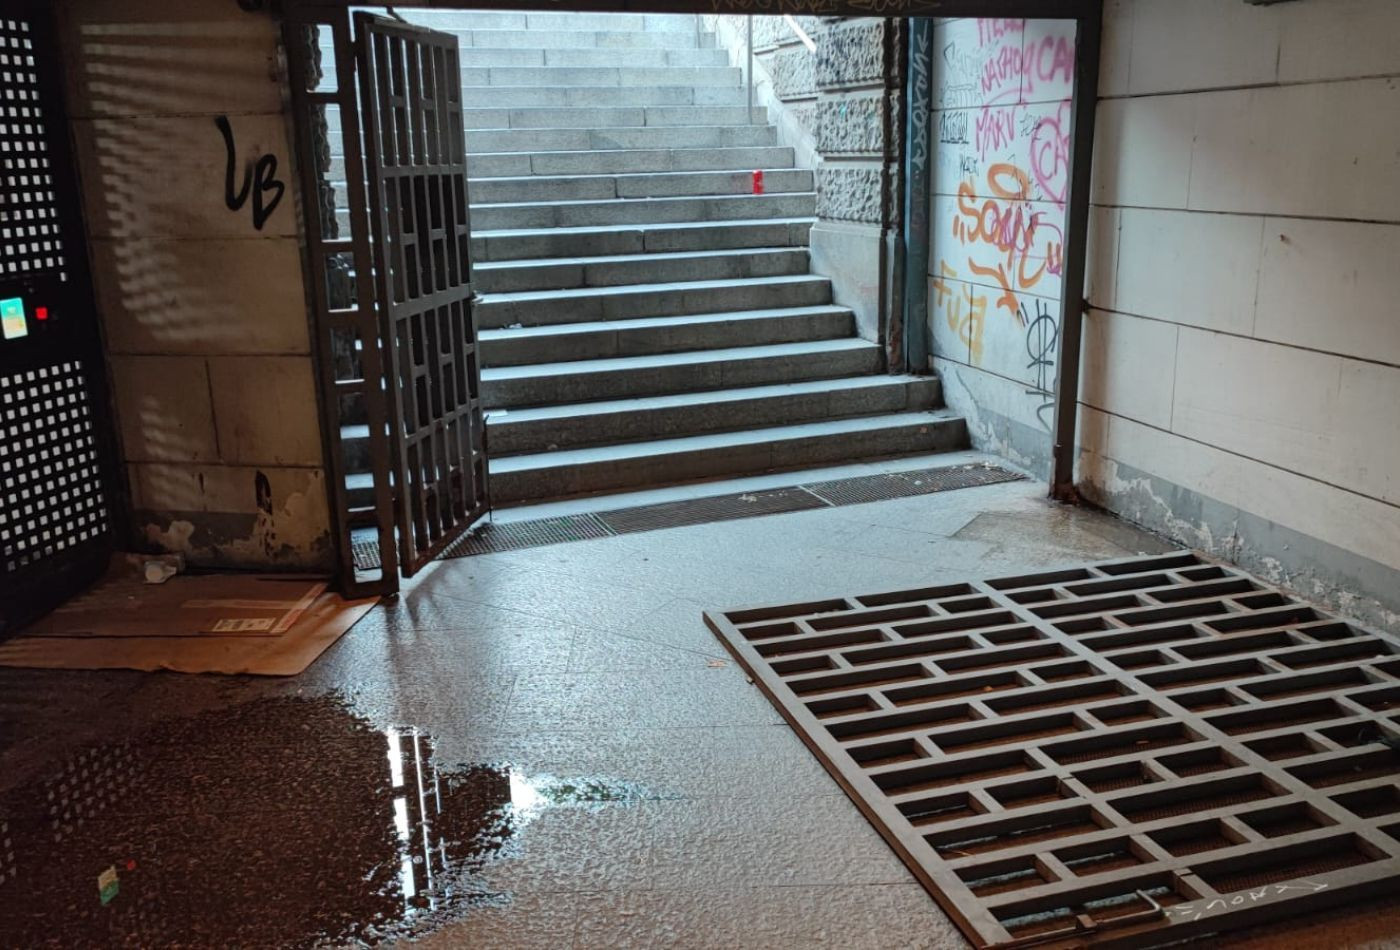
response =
{"points": [[1087, 15], [70, 336]]}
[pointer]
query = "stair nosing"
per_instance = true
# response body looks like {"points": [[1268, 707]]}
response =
{"points": [[632, 201], [655, 257], [528, 415], [523, 296], [583, 229], [639, 323], [615, 364], [512, 464], [667, 173]]}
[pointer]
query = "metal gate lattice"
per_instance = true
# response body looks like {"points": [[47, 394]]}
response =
{"points": [[1126, 753], [415, 148]]}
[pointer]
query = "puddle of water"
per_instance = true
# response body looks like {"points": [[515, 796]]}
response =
{"points": [[287, 822]]}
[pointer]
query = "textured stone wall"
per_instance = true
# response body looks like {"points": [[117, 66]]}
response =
{"points": [[834, 105], [851, 107], [848, 194], [836, 96]]}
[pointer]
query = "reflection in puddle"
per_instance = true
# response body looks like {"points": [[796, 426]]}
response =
{"points": [[275, 823]]}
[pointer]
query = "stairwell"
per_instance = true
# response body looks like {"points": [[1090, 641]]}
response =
{"points": [[645, 317]]}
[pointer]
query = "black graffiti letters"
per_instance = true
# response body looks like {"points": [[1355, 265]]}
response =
{"points": [[259, 180], [1042, 338]]}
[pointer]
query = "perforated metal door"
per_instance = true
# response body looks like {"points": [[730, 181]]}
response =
{"points": [[415, 156], [56, 476]]}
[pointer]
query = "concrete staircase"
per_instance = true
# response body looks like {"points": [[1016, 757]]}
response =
{"points": [[645, 318]]}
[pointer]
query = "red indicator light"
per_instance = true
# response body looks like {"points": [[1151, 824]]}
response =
{"points": [[41, 313]]}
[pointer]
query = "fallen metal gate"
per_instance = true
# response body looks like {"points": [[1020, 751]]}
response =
{"points": [[380, 143], [1130, 753], [58, 480]]}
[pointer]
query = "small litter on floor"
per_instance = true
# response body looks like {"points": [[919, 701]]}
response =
{"points": [[1129, 752], [270, 625]]}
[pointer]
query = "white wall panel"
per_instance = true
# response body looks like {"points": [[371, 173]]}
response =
{"points": [[1196, 269]]}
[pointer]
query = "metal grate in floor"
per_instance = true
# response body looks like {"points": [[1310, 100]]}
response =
{"points": [[1128, 753], [493, 537], [706, 510]]}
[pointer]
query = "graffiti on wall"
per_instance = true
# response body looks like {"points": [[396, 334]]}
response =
{"points": [[259, 179], [1001, 173]]}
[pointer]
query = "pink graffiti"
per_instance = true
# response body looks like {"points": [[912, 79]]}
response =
{"points": [[1049, 154], [1048, 61], [996, 129], [1000, 43], [1002, 69], [994, 29]]}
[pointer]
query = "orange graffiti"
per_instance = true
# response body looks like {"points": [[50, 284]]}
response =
{"points": [[966, 311], [1032, 245]]}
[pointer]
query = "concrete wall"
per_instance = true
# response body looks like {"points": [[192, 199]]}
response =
{"points": [[1000, 127], [1241, 385], [830, 106], [203, 305]]}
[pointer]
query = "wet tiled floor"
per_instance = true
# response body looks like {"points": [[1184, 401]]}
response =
{"points": [[595, 771]]}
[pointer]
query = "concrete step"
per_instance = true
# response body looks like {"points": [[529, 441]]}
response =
{"points": [[602, 117], [557, 97], [545, 384], [638, 239], [573, 140], [615, 161], [613, 422], [625, 161], [565, 273], [626, 213], [571, 472], [612, 38], [531, 188], [647, 336], [476, 57], [552, 21], [594, 304], [603, 75], [616, 211]]}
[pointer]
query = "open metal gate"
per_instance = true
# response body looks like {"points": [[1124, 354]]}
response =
{"points": [[57, 475], [383, 158]]}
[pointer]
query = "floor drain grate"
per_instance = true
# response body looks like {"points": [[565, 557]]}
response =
{"points": [[694, 511], [1101, 753], [493, 537]]}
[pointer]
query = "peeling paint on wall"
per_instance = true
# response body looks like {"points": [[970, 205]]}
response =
{"points": [[1342, 580], [289, 530]]}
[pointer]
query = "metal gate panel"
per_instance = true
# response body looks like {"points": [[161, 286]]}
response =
{"points": [[58, 477], [347, 338], [1129, 753], [411, 96]]}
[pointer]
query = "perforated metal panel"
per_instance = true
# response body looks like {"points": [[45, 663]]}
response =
{"points": [[50, 479], [57, 476], [1127, 753], [30, 239]]}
